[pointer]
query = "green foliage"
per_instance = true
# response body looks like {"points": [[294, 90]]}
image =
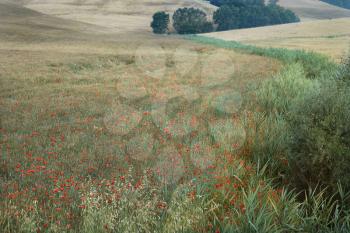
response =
{"points": [[191, 21], [226, 17], [320, 150], [237, 2], [314, 64], [340, 3], [235, 14], [302, 119], [316, 118], [160, 22]]}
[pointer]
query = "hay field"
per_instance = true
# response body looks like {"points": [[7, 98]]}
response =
{"points": [[114, 15], [330, 37], [314, 9]]}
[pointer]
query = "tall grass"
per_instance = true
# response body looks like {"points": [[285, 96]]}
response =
{"points": [[300, 128]]}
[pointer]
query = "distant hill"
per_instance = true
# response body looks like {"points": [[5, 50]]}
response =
{"points": [[314, 9], [331, 37], [18, 23], [117, 15]]}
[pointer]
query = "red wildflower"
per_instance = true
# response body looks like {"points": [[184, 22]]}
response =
{"points": [[218, 186], [12, 195], [242, 208], [30, 172]]}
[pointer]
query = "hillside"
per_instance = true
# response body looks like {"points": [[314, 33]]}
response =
{"points": [[330, 37], [107, 127], [314, 9], [117, 15]]}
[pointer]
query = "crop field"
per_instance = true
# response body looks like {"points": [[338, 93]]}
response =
{"points": [[309, 10], [329, 37], [112, 15], [77, 107], [105, 127]]}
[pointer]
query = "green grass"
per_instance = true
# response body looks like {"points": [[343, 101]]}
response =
{"points": [[315, 64]]}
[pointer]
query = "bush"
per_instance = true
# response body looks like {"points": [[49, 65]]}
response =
{"points": [[160, 22], [320, 150], [316, 118], [191, 21]]}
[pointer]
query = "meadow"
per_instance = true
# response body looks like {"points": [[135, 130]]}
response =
{"points": [[106, 132]]}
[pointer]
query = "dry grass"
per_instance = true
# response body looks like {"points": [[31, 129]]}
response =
{"points": [[330, 37], [64, 85], [78, 102], [113, 15], [314, 9]]}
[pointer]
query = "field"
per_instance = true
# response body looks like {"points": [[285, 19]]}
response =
{"points": [[113, 15], [77, 102], [108, 128], [329, 37], [309, 10]]}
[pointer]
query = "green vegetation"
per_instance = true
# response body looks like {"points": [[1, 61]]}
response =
{"points": [[191, 21], [160, 22], [245, 14], [340, 3], [299, 126], [314, 64], [231, 14], [290, 174]]}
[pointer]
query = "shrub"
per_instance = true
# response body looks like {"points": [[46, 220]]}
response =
{"points": [[191, 21], [160, 22], [315, 115], [320, 149]]}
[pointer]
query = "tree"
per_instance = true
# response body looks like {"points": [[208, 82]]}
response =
{"points": [[340, 3], [251, 13], [237, 3], [191, 21], [160, 22], [227, 17]]}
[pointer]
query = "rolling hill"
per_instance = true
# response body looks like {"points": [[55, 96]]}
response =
{"points": [[314, 9], [116, 15], [330, 37]]}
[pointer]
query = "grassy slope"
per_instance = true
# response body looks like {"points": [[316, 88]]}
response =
{"points": [[60, 83], [314, 9], [316, 32], [117, 15], [330, 37]]}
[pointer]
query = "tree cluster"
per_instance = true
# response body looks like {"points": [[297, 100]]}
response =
{"points": [[191, 21], [340, 3], [231, 14], [185, 21]]}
